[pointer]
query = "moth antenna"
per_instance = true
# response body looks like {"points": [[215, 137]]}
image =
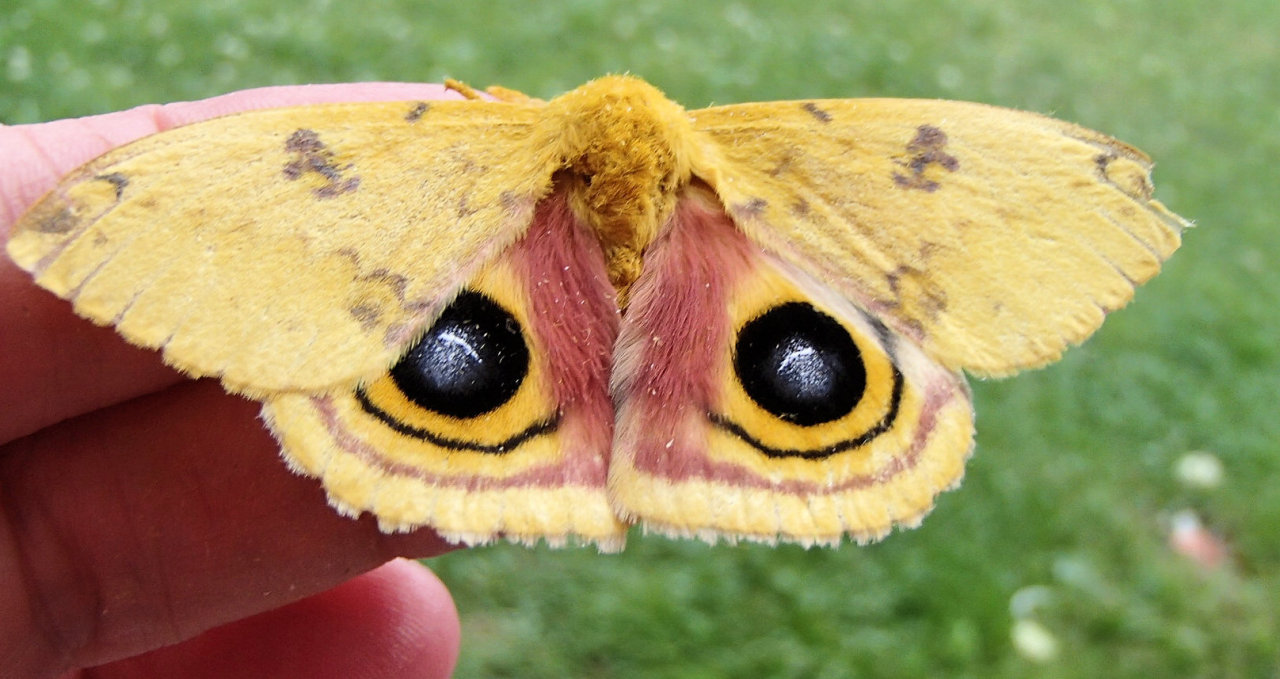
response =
{"points": [[496, 91], [462, 88]]}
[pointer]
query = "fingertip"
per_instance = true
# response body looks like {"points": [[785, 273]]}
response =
{"points": [[429, 616], [395, 621]]}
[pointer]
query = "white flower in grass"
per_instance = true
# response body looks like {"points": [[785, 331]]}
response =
{"points": [[1199, 469], [1033, 641]]}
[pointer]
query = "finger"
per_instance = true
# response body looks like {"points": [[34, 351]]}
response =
{"points": [[54, 365], [149, 522], [396, 621]]}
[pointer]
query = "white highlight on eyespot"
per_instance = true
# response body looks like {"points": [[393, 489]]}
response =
{"points": [[460, 344]]}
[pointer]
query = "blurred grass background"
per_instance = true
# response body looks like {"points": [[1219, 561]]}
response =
{"points": [[1052, 560]]}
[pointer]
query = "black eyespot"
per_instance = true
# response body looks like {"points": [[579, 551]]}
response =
{"points": [[471, 361], [800, 365]]}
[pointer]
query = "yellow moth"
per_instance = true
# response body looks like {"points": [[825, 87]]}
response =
{"points": [[550, 320]]}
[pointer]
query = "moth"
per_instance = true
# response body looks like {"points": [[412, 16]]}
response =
{"points": [[551, 320]]}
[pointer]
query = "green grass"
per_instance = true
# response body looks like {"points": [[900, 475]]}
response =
{"points": [[1072, 486]]}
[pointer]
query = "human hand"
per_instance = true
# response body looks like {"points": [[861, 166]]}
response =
{"points": [[147, 524]]}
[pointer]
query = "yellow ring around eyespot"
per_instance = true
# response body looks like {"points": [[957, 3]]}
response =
{"points": [[527, 408], [767, 289], [532, 403], [869, 459], [869, 413]]}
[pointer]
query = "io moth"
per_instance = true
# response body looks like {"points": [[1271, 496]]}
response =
{"points": [[551, 320]]}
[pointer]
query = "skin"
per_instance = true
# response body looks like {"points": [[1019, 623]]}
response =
{"points": [[147, 525]]}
